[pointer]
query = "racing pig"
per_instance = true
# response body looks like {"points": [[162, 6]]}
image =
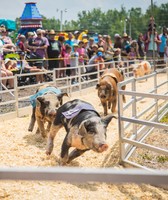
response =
{"points": [[107, 89], [86, 130], [141, 69], [45, 104]]}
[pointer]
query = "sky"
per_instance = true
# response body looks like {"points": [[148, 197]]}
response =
{"points": [[11, 9]]}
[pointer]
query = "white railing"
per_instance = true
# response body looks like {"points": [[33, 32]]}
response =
{"points": [[135, 127]]}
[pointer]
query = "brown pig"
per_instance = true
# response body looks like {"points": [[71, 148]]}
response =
{"points": [[45, 104], [141, 69], [107, 89]]}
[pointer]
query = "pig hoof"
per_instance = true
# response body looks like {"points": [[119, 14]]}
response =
{"points": [[48, 153], [30, 129]]}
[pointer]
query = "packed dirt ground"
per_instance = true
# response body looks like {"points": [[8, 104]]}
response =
{"points": [[18, 147]]}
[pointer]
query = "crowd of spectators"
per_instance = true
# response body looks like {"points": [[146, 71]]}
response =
{"points": [[45, 52]]}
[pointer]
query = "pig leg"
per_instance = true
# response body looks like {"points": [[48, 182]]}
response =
{"points": [[104, 104], [114, 103], [33, 119], [75, 153], [48, 127], [109, 104], [53, 131], [64, 151], [37, 131], [41, 127]]}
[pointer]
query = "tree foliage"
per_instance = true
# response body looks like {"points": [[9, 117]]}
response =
{"points": [[113, 21]]}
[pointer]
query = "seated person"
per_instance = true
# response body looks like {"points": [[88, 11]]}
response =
{"points": [[11, 65], [27, 68], [6, 73], [98, 58]]}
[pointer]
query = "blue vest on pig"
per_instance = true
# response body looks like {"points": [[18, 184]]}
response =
{"points": [[69, 114], [42, 92]]}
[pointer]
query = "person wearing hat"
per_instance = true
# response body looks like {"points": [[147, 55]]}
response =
{"points": [[6, 73], [53, 50], [125, 46], [76, 37], [90, 50], [26, 68], [39, 48], [95, 59], [20, 44]]}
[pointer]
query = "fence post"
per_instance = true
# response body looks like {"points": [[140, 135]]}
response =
{"points": [[16, 95], [120, 124], [155, 91], [134, 109]]}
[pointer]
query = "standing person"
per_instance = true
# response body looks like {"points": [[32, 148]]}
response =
{"points": [[90, 47], [163, 38], [39, 46], [61, 39], [166, 52], [53, 51], [67, 59], [76, 37], [152, 42], [82, 56], [109, 51], [20, 44], [70, 40], [74, 62], [125, 46], [117, 41], [141, 47]]}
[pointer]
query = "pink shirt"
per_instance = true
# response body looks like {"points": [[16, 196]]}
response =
{"points": [[81, 52], [67, 59]]}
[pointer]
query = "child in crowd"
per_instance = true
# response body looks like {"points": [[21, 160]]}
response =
{"points": [[74, 62], [132, 55], [67, 59]]}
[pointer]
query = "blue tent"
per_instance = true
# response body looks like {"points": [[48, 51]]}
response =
{"points": [[9, 24]]}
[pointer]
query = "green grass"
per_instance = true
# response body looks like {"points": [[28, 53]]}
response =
{"points": [[164, 119]]}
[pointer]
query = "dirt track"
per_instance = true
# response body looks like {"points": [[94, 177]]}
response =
{"points": [[22, 148]]}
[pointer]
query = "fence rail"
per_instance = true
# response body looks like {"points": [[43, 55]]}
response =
{"points": [[141, 124]]}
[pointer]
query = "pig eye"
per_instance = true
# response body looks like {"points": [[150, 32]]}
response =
{"points": [[47, 103]]}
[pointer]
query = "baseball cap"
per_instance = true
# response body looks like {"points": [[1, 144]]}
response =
{"points": [[85, 40], [117, 35], [99, 53], [76, 32], [75, 45], [7, 60]]}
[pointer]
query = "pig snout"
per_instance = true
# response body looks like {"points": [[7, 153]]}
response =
{"points": [[103, 96], [51, 113], [102, 147]]}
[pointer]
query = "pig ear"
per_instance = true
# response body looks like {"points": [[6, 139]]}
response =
{"points": [[39, 100], [60, 97], [106, 120], [82, 129], [108, 86], [97, 86]]}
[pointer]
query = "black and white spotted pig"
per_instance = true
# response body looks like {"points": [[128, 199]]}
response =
{"points": [[86, 130], [45, 104]]}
